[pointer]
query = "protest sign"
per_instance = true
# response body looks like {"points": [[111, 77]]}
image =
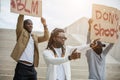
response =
{"points": [[105, 23], [27, 7]]}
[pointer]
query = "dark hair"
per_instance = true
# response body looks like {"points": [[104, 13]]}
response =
{"points": [[25, 22], [100, 44], [54, 33], [99, 47]]}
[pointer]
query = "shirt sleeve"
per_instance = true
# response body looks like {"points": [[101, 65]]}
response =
{"points": [[80, 48], [50, 59], [106, 50], [19, 26]]}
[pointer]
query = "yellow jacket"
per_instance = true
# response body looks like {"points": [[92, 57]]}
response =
{"points": [[22, 40]]}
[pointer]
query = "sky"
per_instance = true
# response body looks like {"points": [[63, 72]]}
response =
{"points": [[58, 13]]}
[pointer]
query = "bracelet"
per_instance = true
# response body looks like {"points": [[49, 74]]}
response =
{"points": [[69, 58], [45, 28]]}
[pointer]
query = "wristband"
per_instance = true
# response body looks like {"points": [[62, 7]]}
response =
{"points": [[69, 58]]}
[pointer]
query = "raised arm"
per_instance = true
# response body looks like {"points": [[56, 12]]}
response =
{"points": [[45, 37], [106, 50], [89, 30], [19, 26]]}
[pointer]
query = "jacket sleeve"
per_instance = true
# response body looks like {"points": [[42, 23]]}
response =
{"points": [[50, 59], [19, 26], [45, 37]]}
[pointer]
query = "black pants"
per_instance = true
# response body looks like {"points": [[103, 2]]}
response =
{"points": [[24, 72]]}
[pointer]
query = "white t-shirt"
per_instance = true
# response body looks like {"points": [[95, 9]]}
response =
{"points": [[53, 62], [60, 69], [28, 53]]}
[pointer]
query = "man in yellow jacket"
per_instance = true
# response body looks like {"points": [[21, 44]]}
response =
{"points": [[26, 52]]}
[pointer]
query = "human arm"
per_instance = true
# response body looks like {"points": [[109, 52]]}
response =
{"points": [[51, 59], [90, 21], [19, 26], [80, 48], [89, 30], [106, 50], [85, 47], [45, 37]]}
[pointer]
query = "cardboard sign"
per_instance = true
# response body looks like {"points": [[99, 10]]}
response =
{"points": [[27, 7], [105, 23]]}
